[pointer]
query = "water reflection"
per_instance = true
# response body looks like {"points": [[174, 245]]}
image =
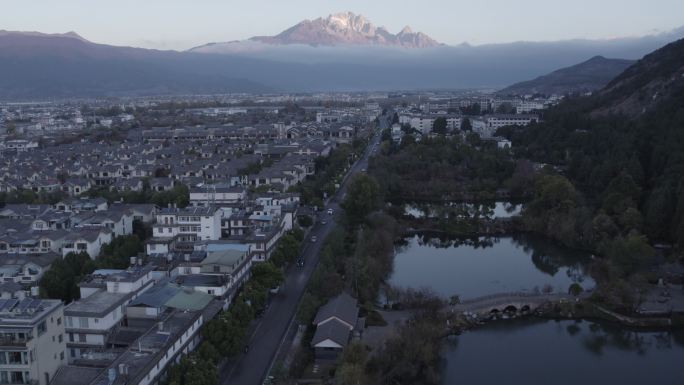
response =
{"points": [[564, 352], [462, 210], [486, 265]]}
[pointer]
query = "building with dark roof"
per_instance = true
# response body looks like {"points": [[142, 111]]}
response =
{"points": [[336, 322]]}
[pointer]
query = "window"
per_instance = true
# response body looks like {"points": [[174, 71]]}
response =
{"points": [[70, 322], [60, 338], [82, 338], [83, 323], [14, 358], [42, 328], [59, 320], [61, 356]]}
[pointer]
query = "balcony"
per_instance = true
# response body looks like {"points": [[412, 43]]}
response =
{"points": [[14, 341]]}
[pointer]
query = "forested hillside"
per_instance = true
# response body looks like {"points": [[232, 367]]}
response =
{"points": [[622, 151]]}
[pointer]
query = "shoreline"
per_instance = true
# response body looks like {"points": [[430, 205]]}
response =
{"points": [[582, 310]]}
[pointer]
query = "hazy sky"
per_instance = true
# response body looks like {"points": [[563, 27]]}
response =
{"points": [[181, 24]]}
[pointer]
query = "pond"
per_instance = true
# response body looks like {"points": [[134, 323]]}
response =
{"points": [[488, 266], [491, 210], [563, 353]]}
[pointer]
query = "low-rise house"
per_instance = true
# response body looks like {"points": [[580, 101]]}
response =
{"points": [[161, 184], [119, 222], [76, 186], [142, 212], [25, 269], [88, 240], [126, 185], [336, 323]]}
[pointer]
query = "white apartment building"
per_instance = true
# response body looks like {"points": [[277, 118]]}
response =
{"points": [[20, 145], [91, 319], [501, 120], [216, 194], [527, 106], [31, 340], [424, 123], [175, 226]]}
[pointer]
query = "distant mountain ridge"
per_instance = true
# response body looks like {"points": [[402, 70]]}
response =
{"points": [[345, 28], [36, 65], [40, 65], [587, 76]]}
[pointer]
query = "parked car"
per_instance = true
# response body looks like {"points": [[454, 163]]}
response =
{"points": [[330, 211], [313, 238]]}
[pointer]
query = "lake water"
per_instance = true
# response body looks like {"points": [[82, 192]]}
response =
{"points": [[547, 352], [494, 209], [487, 266], [531, 351]]}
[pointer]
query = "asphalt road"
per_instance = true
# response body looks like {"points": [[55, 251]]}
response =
{"points": [[252, 367]]}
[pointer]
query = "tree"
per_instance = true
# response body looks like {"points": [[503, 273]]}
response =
{"points": [[473, 109], [439, 126], [466, 125], [575, 289], [61, 280], [363, 197], [117, 254], [305, 221], [629, 253], [286, 250], [351, 370], [454, 300], [412, 356], [267, 274], [505, 108]]}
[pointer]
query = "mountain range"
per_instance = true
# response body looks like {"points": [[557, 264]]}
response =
{"points": [[343, 52], [587, 76], [347, 29]]}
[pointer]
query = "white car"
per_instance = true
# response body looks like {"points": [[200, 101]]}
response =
{"points": [[330, 211]]}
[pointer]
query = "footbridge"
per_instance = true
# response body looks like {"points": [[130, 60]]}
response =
{"points": [[509, 302]]}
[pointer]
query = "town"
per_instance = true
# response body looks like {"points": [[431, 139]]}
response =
{"points": [[287, 193], [202, 204]]}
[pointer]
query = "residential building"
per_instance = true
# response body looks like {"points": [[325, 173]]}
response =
{"points": [[32, 346]]}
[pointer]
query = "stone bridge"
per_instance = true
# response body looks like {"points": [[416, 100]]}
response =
{"points": [[509, 302]]}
